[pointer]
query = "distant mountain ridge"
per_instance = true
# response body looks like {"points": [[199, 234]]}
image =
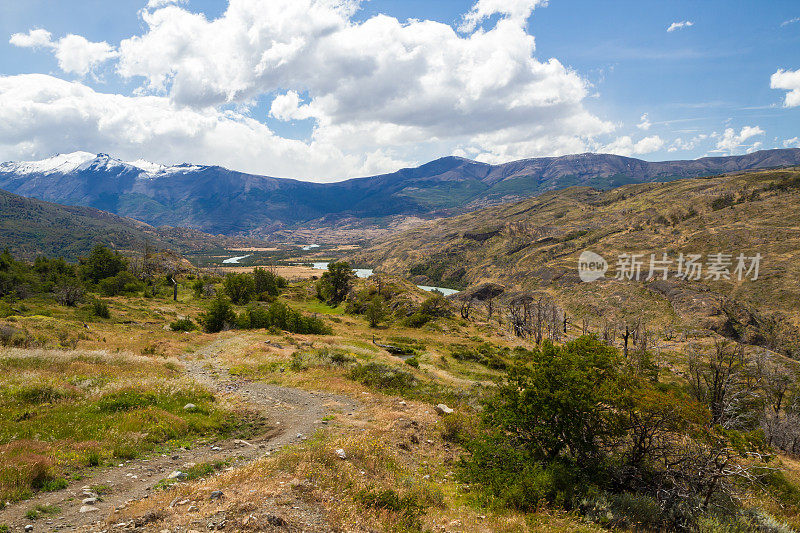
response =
{"points": [[31, 227], [217, 200]]}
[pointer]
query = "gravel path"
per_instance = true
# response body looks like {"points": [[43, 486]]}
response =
{"points": [[292, 415]]}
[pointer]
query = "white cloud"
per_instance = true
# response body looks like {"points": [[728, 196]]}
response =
{"points": [[788, 80], [794, 142], [626, 146], [155, 4], [790, 21], [730, 141], [39, 113], [644, 123], [379, 90], [38, 38], [680, 145], [416, 82], [517, 10], [680, 25], [75, 53], [288, 107]]}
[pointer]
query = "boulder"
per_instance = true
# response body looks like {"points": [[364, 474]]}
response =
{"points": [[442, 409]]}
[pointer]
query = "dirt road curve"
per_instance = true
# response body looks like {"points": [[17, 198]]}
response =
{"points": [[292, 414]]}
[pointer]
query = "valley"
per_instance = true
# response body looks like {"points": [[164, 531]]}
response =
{"points": [[230, 383]]}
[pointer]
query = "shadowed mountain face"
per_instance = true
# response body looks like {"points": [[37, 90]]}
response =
{"points": [[31, 227], [218, 200]]}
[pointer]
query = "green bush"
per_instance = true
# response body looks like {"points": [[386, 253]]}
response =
{"points": [[383, 377], [121, 283], [218, 316], [267, 283], [239, 287], [281, 316], [408, 507], [100, 309], [335, 284], [416, 320], [102, 263], [183, 324], [126, 400]]}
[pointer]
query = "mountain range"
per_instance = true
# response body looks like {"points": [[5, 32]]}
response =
{"points": [[221, 201]]}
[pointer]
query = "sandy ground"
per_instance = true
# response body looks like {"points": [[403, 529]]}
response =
{"points": [[291, 273]]}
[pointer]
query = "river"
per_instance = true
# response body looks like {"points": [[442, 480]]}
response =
{"points": [[367, 272]]}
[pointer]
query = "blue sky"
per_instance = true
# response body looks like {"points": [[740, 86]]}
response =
{"points": [[360, 88]]}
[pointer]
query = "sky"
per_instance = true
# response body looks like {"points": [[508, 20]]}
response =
{"points": [[325, 90]]}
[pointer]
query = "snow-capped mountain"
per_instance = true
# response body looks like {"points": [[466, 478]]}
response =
{"points": [[79, 161], [217, 200]]}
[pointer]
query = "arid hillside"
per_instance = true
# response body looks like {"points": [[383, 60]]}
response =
{"points": [[534, 245]]}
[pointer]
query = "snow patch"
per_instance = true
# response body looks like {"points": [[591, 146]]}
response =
{"points": [[61, 163]]}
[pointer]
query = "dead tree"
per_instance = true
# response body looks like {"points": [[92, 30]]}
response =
{"points": [[625, 338], [725, 381], [466, 306]]}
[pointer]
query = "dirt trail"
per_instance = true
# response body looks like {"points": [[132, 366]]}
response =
{"points": [[292, 415]]}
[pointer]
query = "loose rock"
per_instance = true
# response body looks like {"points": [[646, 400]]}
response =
{"points": [[442, 409]]}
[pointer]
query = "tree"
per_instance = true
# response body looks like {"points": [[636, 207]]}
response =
{"points": [[218, 316], [725, 381], [376, 311], [69, 293], [562, 404], [335, 284], [267, 282], [240, 288], [437, 306], [102, 263]]}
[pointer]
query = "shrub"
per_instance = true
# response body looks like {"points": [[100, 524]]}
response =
{"points": [[416, 320], [240, 287], [267, 283], [408, 507], [722, 201], [383, 377], [69, 293], [183, 324], [376, 311], [102, 263], [121, 283], [218, 316], [281, 316], [100, 309], [126, 400]]}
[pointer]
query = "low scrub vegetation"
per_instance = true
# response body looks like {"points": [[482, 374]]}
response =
{"points": [[60, 412]]}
